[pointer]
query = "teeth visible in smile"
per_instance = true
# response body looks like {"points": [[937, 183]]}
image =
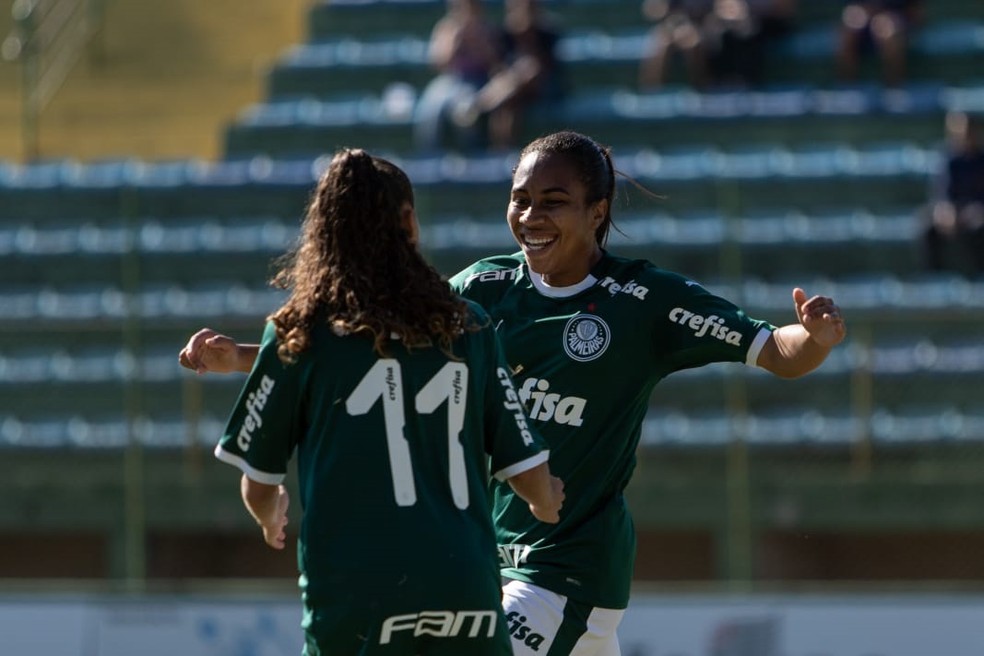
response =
{"points": [[535, 243]]}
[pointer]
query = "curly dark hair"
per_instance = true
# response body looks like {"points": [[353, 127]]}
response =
{"points": [[357, 268]]}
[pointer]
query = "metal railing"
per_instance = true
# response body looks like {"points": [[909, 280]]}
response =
{"points": [[48, 39]]}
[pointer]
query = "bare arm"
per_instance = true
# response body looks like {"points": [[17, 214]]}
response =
{"points": [[268, 506], [443, 40], [208, 351], [544, 492], [799, 348]]}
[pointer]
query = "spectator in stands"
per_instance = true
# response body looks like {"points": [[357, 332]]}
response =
{"points": [[724, 42], [677, 29], [532, 75], [591, 334], [739, 34], [954, 237], [368, 333], [881, 25], [466, 50]]}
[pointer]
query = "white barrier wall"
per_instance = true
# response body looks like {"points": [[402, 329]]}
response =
{"points": [[671, 625]]}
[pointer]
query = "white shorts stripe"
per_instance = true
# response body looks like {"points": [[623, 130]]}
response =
{"points": [[534, 615]]}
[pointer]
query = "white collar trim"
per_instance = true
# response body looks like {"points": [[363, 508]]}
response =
{"points": [[560, 292]]}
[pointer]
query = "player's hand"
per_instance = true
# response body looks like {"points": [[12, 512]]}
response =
{"points": [[821, 318], [550, 513], [273, 528], [208, 350]]}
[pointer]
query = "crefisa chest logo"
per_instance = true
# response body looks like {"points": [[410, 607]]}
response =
{"points": [[586, 337]]}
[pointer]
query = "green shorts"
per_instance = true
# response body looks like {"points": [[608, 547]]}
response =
{"points": [[357, 632]]}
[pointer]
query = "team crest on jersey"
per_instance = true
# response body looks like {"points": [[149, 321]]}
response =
{"points": [[586, 337]]}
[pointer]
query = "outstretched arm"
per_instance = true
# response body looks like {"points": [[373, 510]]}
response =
{"points": [[799, 348], [544, 492], [208, 350]]}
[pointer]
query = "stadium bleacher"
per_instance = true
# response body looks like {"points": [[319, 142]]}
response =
{"points": [[802, 179], [110, 265], [344, 64]]}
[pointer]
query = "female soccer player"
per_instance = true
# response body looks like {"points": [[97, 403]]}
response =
{"points": [[394, 393], [587, 336]]}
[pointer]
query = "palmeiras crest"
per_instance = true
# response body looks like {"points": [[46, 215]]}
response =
{"points": [[586, 337]]}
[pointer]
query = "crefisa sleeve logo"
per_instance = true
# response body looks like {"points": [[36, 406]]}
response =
{"points": [[586, 337]]}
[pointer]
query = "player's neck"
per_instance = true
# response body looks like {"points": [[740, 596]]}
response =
{"points": [[547, 289]]}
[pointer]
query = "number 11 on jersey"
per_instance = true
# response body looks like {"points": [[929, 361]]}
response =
{"points": [[385, 380]]}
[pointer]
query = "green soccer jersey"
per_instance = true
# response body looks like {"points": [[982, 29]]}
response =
{"points": [[585, 359], [394, 457]]}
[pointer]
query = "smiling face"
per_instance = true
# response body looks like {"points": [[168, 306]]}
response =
{"points": [[551, 220]]}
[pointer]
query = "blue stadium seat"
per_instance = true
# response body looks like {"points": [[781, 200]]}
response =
{"points": [[748, 162], [86, 368], [948, 37], [80, 303], [114, 433], [176, 301], [176, 432], [793, 428], [29, 240], [242, 234], [958, 359], [964, 99], [19, 304], [944, 290], [969, 426], [693, 230], [814, 42], [227, 173], [463, 232], [592, 46], [855, 293], [38, 175], [662, 429], [378, 50], [102, 240], [44, 434], [915, 425], [104, 174], [799, 427], [161, 173], [671, 164], [155, 236], [26, 368]]}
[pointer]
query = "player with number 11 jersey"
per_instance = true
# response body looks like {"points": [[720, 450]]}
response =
{"points": [[382, 443]]}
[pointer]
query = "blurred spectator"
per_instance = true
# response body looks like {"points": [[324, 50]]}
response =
{"points": [[465, 49], [878, 25], [954, 238], [531, 76], [677, 28], [724, 42], [739, 33]]}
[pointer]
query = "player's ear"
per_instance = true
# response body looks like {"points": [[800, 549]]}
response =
{"points": [[598, 213]]}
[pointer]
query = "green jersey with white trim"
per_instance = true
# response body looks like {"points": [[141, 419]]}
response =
{"points": [[586, 359], [394, 456]]}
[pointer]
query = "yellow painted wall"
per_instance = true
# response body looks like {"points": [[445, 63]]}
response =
{"points": [[173, 75]]}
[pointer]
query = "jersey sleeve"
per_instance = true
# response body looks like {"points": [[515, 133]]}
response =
{"points": [[458, 280], [700, 328], [510, 439], [262, 430]]}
